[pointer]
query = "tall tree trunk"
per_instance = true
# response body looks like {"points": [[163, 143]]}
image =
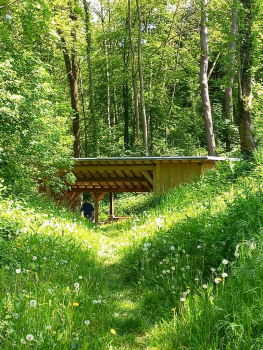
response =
{"points": [[230, 74], [84, 114], [134, 83], [93, 117], [125, 94], [107, 67], [71, 64], [144, 119], [247, 141], [206, 106]]}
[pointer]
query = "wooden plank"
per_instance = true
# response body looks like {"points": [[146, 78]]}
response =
{"points": [[147, 176], [112, 189], [112, 167], [110, 179]]}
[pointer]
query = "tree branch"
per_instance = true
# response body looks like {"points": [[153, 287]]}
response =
{"points": [[10, 3], [213, 66]]}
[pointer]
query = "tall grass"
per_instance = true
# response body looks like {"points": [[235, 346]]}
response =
{"points": [[185, 272]]}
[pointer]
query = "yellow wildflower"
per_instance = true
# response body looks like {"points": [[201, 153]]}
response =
{"points": [[75, 304], [113, 331]]}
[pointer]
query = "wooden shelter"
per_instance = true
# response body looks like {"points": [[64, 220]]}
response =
{"points": [[100, 176]]}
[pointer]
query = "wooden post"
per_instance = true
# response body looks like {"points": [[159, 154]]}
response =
{"points": [[97, 196], [111, 204], [48, 191]]}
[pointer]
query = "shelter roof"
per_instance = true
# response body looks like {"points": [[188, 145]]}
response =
{"points": [[123, 174]]}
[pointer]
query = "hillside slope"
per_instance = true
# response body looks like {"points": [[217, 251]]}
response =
{"points": [[186, 273]]}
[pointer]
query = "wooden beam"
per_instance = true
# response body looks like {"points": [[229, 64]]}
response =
{"points": [[110, 179], [147, 176], [112, 167], [112, 189], [112, 204], [102, 195], [75, 195]]}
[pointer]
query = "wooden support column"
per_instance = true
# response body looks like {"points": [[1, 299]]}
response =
{"points": [[112, 204], [97, 197], [48, 191]]}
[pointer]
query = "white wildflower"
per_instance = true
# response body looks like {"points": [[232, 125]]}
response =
{"points": [[30, 337], [33, 303]]}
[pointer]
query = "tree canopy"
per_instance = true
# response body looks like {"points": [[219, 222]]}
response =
{"points": [[115, 78]]}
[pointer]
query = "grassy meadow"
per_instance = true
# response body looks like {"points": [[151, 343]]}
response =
{"points": [[184, 272]]}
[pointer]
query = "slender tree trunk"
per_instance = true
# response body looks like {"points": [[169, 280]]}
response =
{"points": [[134, 83], [84, 114], [245, 82], [93, 117], [144, 119], [229, 115], [71, 64], [176, 66], [206, 106], [107, 68], [125, 94]]}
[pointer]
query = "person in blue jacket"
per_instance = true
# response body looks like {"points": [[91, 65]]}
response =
{"points": [[88, 210]]}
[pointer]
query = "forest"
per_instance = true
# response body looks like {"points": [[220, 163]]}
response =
{"points": [[182, 269], [121, 78]]}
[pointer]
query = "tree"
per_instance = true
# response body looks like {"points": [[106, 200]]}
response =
{"points": [[247, 141], [231, 73], [206, 106], [93, 118], [71, 63], [144, 119]]}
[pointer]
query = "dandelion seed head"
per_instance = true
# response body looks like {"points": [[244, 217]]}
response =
{"points": [[76, 285], [225, 262], [34, 258], [33, 303], [18, 270], [23, 341], [30, 337], [87, 322], [205, 286], [224, 274]]}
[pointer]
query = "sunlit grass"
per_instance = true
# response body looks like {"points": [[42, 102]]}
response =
{"points": [[185, 272]]}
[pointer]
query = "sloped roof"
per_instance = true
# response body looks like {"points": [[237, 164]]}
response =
{"points": [[123, 174]]}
